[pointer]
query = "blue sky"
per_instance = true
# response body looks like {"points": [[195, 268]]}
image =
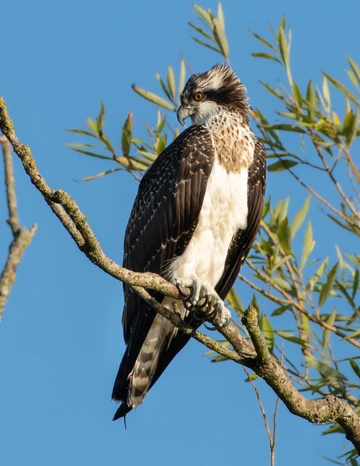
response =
{"points": [[60, 337]]}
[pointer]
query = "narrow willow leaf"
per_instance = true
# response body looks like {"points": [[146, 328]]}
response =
{"points": [[318, 274], [327, 287], [336, 119], [171, 82], [281, 165], [284, 235], [273, 91], [221, 17], [220, 38], [342, 88], [126, 135], [352, 78], [283, 47], [281, 283], [284, 127], [182, 76], [289, 336], [204, 14], [101, 174], [355, 286], [355, 68], [324, 369], [266, 56], [326, 333], [326, 94], [350, 126], [263, 41], [201, 31], [91, 124], [284, 209], [268, 332], [311, 100], [91, 154], [296, 93], [354, 367], [163, 86], [308, 245], [204, 44], [234, 301], [155, 99], [81, 131], [100, 118], [251, 377], [147, 155], [354, 334], [279, 311], [347, 107], [300, 217]]}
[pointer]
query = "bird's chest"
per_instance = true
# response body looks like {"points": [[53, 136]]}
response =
{"points": [[223, 213]]}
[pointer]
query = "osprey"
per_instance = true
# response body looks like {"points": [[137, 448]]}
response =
{"points": [[193, 222]]}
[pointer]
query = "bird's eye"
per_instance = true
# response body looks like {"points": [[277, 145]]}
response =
{"points": [[198, 96]]}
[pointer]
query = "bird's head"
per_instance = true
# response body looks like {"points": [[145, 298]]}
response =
{"points": [[204, 94]]}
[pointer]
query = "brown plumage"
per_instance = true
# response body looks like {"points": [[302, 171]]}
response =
{"points": [[177, 205]]}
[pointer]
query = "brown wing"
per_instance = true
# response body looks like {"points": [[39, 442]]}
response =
{"points": [[161, 224], [243, 239]]}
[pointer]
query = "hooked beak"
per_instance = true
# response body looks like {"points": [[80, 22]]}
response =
{"points": [[183, 113]]}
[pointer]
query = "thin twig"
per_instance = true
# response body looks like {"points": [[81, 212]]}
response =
{"points": [[21, 236]]}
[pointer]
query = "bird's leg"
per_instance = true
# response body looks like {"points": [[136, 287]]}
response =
{"points": [[202, 300]]}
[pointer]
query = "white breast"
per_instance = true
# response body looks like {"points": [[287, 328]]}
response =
{"points": [[224, 211]]}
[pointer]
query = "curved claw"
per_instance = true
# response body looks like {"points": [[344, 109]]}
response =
{"points": [[182, 291], [212, 329]]}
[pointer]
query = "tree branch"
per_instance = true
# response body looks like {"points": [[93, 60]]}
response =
{"points": [[21, 236], [256, 357]]}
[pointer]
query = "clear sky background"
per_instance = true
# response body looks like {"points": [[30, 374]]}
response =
{"points": [[60, 337]]}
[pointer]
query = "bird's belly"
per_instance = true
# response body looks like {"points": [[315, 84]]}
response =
{"points": [[223, 213]]}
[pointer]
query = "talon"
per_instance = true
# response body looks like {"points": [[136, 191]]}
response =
{"points": [[182, 291]]}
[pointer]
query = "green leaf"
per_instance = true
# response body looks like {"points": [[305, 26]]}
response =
{"points": [[204, 44], [126, 135], [342, 89], [318, 274], [324, 369], [268, 332], [355, 286], [354, 334], [355, 68], [221, 17], [93, 127], [81, 131], [283, 127], [300, 217], [350, 126], [263, 41], [297, 93], [266, 56], [101, 174], [100, 118], [204, 14], [234, 301], [326, 333], [201, 31], [284, 235], [328, 285], [281, 165], [279, 311], [171, 82], [290, 337], [308, 246], [182, 76], [354, 367], [91, 154], [311, 100], [155, 99], [220, 38], [163, 87], [326, 94]]}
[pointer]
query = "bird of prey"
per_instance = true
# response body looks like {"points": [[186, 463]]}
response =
{"points": [[193, 222]]}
